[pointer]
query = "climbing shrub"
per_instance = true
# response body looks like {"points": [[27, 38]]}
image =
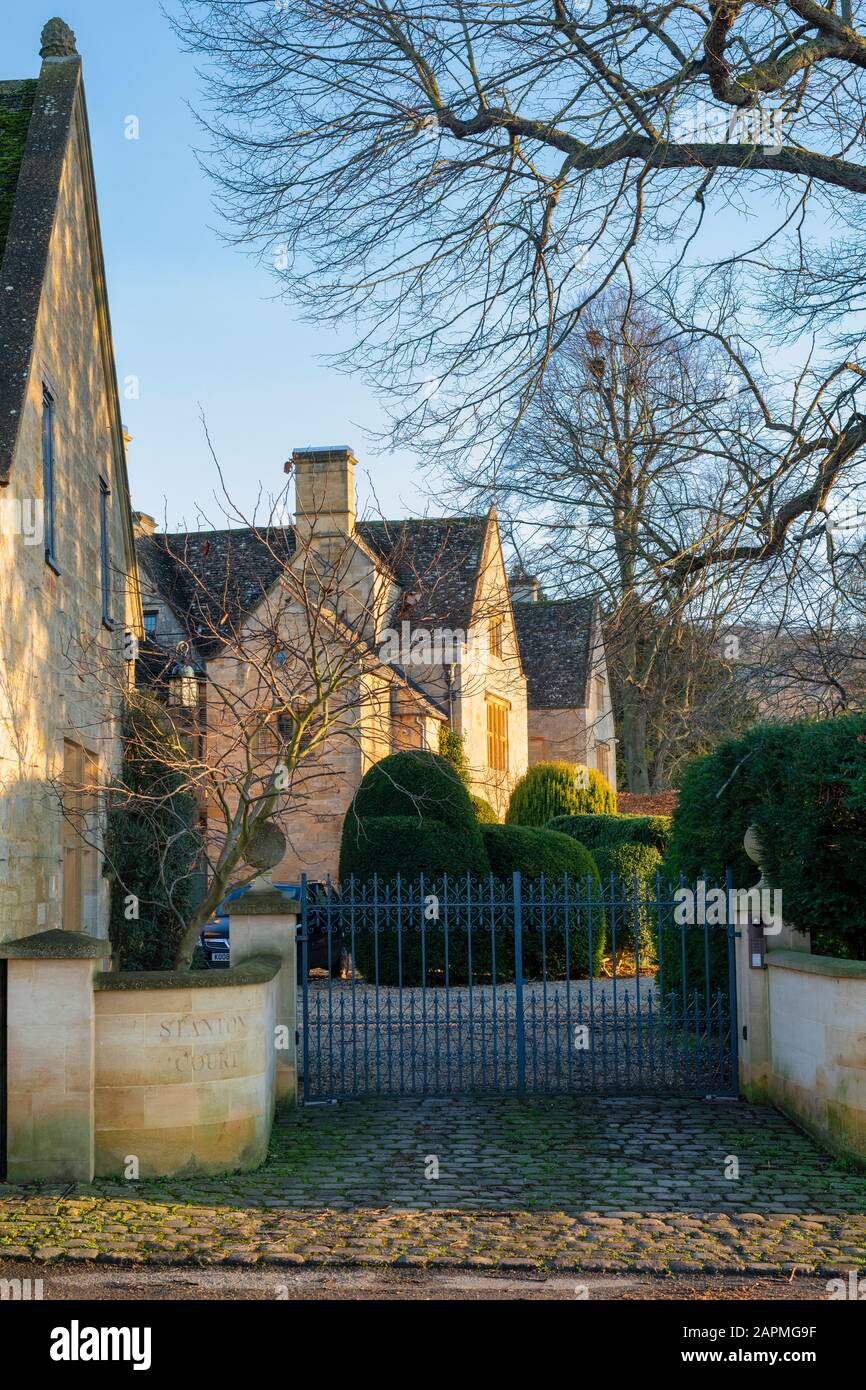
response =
{"points": [[151, 849]]}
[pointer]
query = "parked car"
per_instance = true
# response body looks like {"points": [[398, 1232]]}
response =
{"points": [[215, 936]]}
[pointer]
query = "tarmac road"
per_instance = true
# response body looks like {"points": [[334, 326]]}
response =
{"points": [[91, 1282]]}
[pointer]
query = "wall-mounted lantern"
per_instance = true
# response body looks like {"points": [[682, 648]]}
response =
{"points": [[183, 680]]}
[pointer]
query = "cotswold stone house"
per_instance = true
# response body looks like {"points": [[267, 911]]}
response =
{"points": [[66, 541], [568, 694], [445, 643]]}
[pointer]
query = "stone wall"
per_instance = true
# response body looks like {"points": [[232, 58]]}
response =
{"points": [[184, 1075], [802, 1036], [142, 1074], [817, 1026]]}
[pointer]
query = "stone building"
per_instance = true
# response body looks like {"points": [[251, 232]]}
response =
{"points": [[67, 559], [441, 642], [570, 714]]}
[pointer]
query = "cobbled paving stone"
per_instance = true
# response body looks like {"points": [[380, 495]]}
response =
{"points": [[595, 1184]]}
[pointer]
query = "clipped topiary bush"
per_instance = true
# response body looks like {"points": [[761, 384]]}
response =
{"points": [[388, 943], [559, 789], [595, 831], [386, 846], [628, 879], [414, 783], [533, 851], [484, 812]]}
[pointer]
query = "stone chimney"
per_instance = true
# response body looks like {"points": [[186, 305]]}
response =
{"points": [[142, 524], [524, 587], [324, 489]]}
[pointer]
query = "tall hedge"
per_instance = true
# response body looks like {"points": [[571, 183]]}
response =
{"points": [[386, 846], [803, 785], [719, 797], [813, 838], [388, 943], [534, 852], [628, 878], [595, 831], [559, 789]]}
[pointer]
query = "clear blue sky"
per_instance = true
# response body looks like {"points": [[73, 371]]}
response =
{"points": [[195, 320]]}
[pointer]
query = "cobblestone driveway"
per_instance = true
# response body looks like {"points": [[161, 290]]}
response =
{"points": [[536, 1184]]}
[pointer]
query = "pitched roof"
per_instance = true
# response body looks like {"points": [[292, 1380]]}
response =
{"points": [[215, 579], [435, 561], [28, 236], [16, 105], [555, 640]]}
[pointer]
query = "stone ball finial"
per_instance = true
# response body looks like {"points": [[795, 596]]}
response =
{"points": [[752, 847], [58, 40], [266, 846]]}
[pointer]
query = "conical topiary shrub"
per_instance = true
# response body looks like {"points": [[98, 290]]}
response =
{"points": [[559, 789]]}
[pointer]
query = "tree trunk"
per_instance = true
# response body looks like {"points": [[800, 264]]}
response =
{"points": [[634, 742]]}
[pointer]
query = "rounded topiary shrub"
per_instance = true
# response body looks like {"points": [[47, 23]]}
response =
{"points": [[595, 831], [414, 783], [568, 894], [385, 846], [559, 789], [388, 944], [631, 888], [484, 812]]}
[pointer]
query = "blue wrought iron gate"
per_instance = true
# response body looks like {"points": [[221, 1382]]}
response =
{"points": [[479, 986]]}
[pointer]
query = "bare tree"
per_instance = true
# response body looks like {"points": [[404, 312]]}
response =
{"points": [[461, 180], [250, 716], [625, 462]]}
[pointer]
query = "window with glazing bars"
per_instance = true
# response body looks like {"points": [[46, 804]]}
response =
{"points": [[497, 735]]}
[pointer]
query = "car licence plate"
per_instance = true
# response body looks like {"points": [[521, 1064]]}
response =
{"points": [[220, 955]]}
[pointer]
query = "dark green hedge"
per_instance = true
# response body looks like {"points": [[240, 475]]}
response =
{"points": [[391, 845], [152, 848], [386, 846], [595, 831], [813, 838], [533, 852], [803, 785], [414, 783], [628, 878], [484, 812]]}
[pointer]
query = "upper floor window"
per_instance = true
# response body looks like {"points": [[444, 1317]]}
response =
{"points": [[495, 635], [497, 735], [48, 474], [104, 570], [151, 622], [599, 693]]}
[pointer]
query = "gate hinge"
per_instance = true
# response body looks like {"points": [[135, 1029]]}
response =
{"points": [[745, 1033]]}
